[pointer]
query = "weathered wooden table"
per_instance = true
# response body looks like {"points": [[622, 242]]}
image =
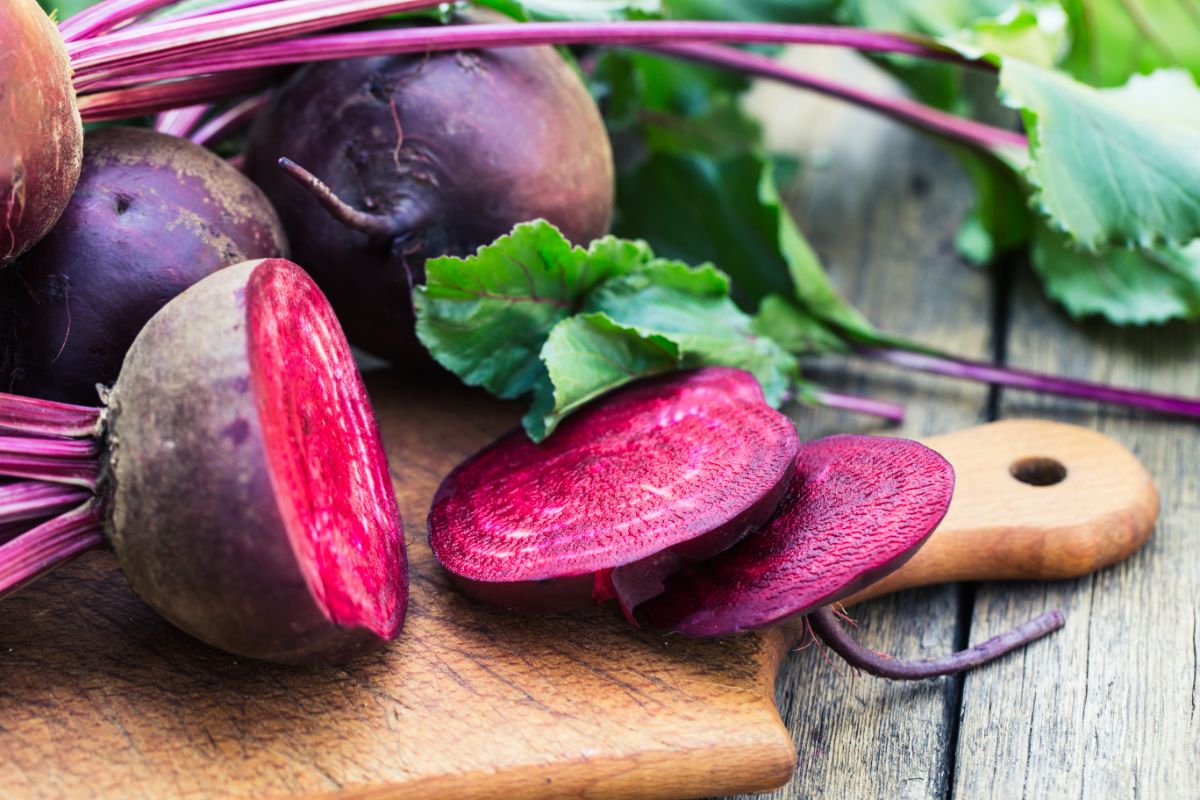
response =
{"points": [[1105, 708]]}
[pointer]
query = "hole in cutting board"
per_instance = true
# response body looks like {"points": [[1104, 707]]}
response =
{"points": [[1038, 471]]}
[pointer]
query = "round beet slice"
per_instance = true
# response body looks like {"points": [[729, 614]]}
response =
{"points": [[856, 509], [659, 474]]}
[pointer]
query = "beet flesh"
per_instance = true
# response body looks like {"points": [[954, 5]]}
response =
{"points": [[249, 499], [445, 152], [659, 474], [856, 509], [41, 135], [151, 215]]}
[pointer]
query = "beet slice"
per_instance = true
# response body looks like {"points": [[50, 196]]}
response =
{"points": [[659, 474], [856, 509]]}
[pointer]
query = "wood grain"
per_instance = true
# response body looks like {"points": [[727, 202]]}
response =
{"points": [[1108, 707], [101, 698]]}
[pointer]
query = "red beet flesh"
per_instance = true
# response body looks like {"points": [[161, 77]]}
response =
{"points": [[41, 136], [856, 509], [654, 476], [248, 496], [151, 215], [327, 462]]}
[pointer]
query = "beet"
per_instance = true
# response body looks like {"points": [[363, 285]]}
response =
{"points": [[856, 509], [41, 135], [151, 215], [430, 155], [244, 486], [664, 472]]}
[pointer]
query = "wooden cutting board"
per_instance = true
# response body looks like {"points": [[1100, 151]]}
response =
{"points": [[100, 698]]}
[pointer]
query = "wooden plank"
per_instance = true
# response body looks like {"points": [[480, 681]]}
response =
{"points": [[1107, 707], [880, 205]]}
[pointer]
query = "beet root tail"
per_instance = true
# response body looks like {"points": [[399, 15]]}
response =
{"points": [[339, 209], [825, 625]]}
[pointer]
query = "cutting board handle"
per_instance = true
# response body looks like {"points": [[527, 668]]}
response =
{"points": [[1033, 500]]}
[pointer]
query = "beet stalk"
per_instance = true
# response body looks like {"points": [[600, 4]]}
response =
{"points": [[236, 471]]}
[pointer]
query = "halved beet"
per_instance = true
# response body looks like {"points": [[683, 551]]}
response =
{"points": [[659, 474], [856, 509]]}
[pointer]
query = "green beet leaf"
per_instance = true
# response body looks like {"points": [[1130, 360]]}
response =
{"points": [[1112, 166]]}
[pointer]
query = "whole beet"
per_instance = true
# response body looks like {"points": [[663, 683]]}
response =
{"points": [[431, 155], [41, 136], [152, 214]]}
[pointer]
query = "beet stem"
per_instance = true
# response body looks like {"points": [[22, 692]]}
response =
{"points": [[177, 58], [917, 115], [106, 16], [229, 120], [140, 100], [48, 546], [181, 121], [1012, 377], [370, 224], [31, 416], [825, 624], [892, 412], [26, 500]]}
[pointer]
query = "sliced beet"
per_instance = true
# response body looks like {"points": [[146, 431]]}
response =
{"points": [[662, 473], [856, 509]]}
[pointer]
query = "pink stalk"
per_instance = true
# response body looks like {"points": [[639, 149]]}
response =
{"points": [[46, 418], [181, 121], [824, 624], [1025, 379], [977, 134], [219, 8], [107, 62], [48, 546], [106, 16], [229, 120], [172, 39], [139, 100], [26, 500], [860, 405]]}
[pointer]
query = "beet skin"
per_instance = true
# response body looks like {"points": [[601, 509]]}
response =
{"points": [[249, 500], [41, 136], [662, 473], [444, 153], [151, 215]]}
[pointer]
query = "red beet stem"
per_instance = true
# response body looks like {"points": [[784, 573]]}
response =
{"points": [[26, 500], [48, 546], [139, 100], [177, 57], [892, 412], [106, 16], [33, 417], [1025, 379], [229, 120], [917, 115], [825, 624], [181, 121]]}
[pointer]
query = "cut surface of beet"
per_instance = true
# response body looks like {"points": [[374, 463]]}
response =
{"points": [[856, 509], [325, 455], [687, 463]]}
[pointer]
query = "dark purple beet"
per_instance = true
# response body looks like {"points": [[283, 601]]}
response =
{"points": [[151, 215], [651, 477], [432, 155], [857, 508]]}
